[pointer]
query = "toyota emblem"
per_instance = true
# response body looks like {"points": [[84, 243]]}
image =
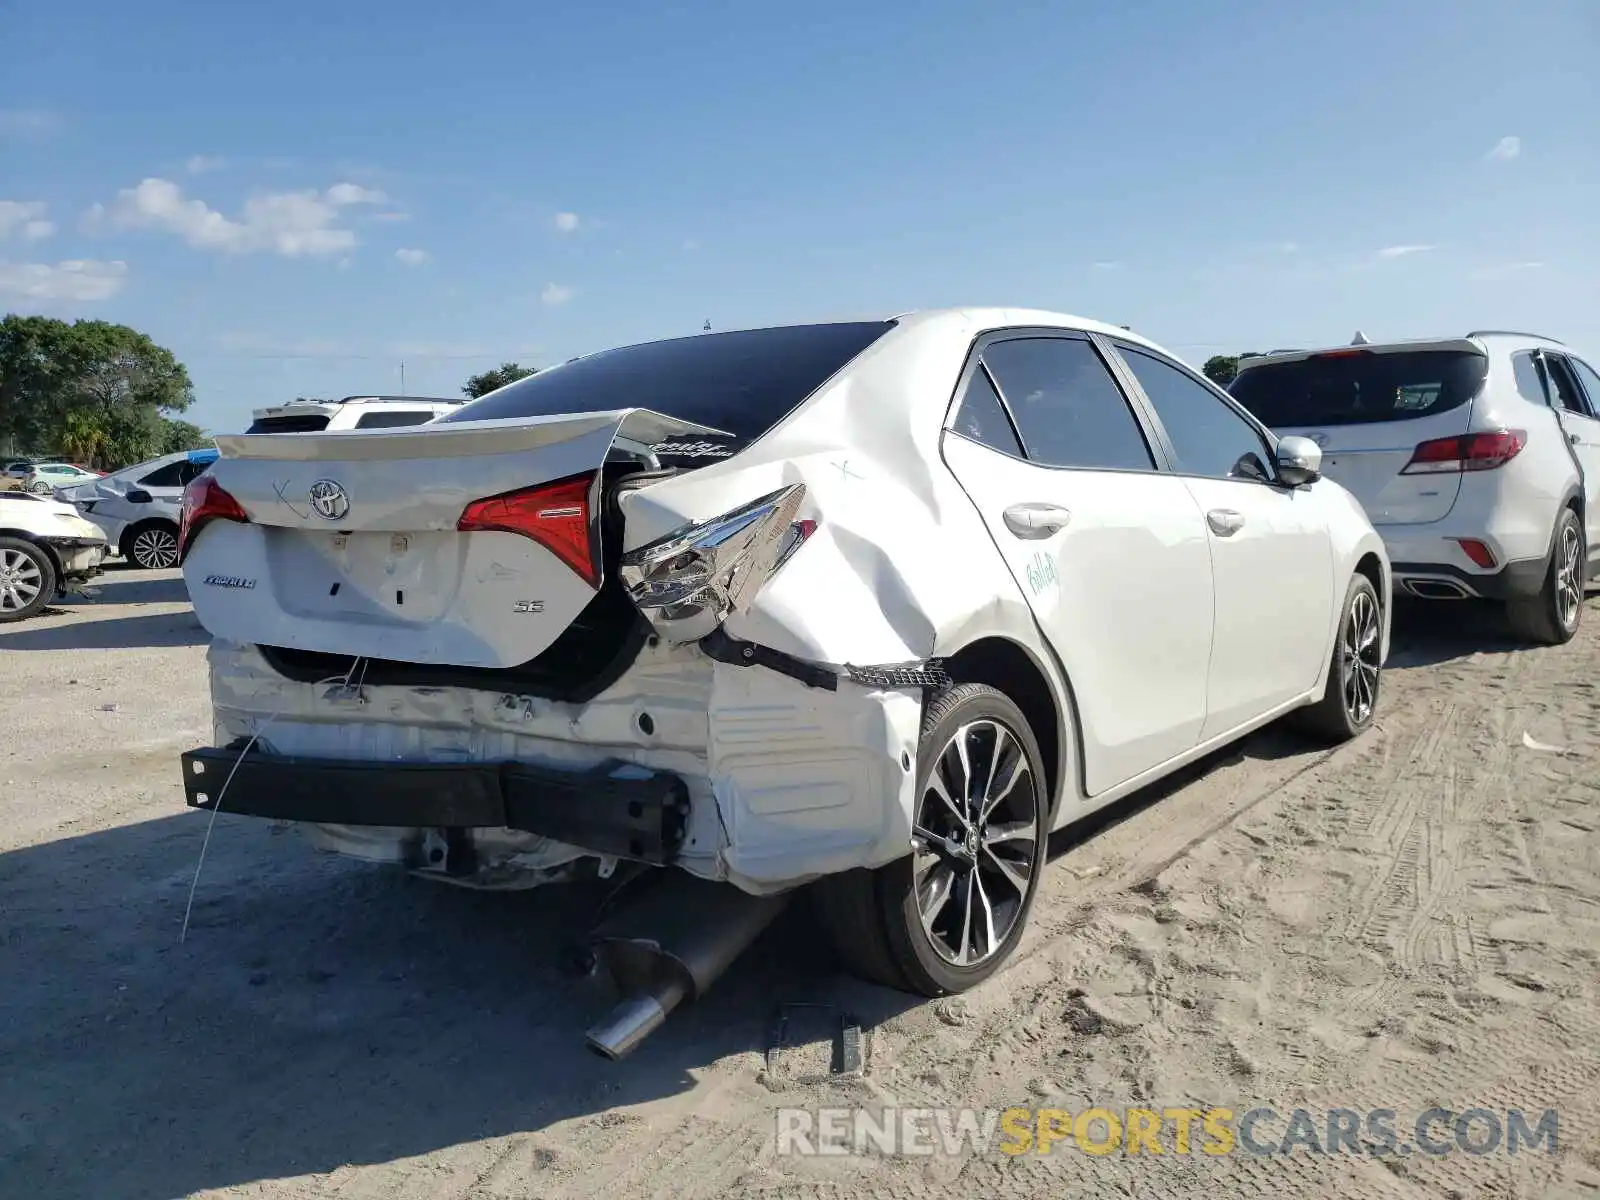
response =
{"points": [[329, 499]]}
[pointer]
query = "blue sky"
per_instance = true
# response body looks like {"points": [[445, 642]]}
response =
{"points": [[296, 197]]}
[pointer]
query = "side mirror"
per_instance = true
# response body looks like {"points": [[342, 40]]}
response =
{"points": [[137, 496], [1299, 461]]}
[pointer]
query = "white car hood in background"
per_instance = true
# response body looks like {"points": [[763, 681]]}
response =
{"points": [[46, 518]]}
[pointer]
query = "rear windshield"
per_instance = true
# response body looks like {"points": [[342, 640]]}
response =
{"points": [[741, 382], [294, 423], [1360, 388]]}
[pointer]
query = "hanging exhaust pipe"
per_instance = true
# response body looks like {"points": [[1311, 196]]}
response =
{"points": [[667, 946]]}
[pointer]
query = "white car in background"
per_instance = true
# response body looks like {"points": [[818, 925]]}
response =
{"points": [[46, 548], [353, 412], [1477, 458], [43, 478], [875, 603], [139, 508]]}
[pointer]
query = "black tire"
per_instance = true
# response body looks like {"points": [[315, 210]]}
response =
{"points": [[1552, 617], [152, 545], [875, 917], [27, 579], [1355, 676]]}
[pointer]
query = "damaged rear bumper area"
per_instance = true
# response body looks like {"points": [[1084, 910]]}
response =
{"points": [[615, 809]]}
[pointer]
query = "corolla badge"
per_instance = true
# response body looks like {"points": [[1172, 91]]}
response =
{"points": [[329, 499]]}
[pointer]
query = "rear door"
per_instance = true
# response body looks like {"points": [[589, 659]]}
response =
{"points": [[1369, 408], [1110, 553], [1271, 553], [1576, 399]]}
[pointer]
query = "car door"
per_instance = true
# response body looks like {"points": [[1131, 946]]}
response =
{"points": [[1574, 392], [1109, 552], [1271, 553]]}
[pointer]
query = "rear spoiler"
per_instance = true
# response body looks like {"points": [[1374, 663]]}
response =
{"points": [[456, 439]]}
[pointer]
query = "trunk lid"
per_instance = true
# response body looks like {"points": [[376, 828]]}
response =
{"points": [[352, 546], [1369, 408]]}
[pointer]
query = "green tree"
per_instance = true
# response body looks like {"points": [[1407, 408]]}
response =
{"points": [[97, 391], [182, 435], [1221, 368], [482, 385]]}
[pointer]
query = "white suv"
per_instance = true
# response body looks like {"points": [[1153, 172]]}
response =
{"points": [[1477, 458], [353, 412]]}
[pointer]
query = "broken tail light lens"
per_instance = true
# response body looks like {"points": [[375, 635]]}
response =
{"points": [[688, 582], [205, 500], [1470, 452], [556, 515]]}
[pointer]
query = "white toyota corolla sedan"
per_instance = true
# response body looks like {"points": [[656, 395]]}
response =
{"points": [[872, 604]]}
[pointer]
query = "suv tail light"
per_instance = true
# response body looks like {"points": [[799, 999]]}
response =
{"points": [[1469, 452], [688, 582], [204, 501], [556, 515]]}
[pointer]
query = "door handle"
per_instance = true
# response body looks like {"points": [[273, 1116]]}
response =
{"points": [[1224, 522], [1033, 521], [1574, 439]]}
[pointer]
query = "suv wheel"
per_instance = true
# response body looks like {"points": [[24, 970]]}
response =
{"points": [[1551, 618], [945, 918], [153, 546], [27, 579]]}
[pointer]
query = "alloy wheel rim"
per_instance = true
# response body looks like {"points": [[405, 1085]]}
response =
{"points": [[156, 549], [974, 843], [20, 580], [1358, 650], [1569, 567]]}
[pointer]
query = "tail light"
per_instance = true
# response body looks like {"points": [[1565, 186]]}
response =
{"points": [[688, 582], [556, 515], [204, 501], [1469, 452]]}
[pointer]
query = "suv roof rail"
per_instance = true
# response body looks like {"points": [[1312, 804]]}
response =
{"points": [[1543, 337], [396, 400]]}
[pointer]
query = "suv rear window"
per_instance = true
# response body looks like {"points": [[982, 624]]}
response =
{"points": [[294, 423], [393, 420], [742, 382], [1344, 388]]}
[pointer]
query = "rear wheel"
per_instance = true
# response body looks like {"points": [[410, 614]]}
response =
{"points": [[153, 545], [1350, 699], [27, 579], [1551, 618], [946, 917]]}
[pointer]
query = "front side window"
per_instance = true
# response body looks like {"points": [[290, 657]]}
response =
{"points": [[1068, 407], [1208, 437]]}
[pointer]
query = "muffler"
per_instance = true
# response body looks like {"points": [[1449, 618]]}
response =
{"points": [[670, 944], [1435, 589]]}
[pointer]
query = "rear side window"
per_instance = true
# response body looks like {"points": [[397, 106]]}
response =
{"points": [[982, 417], [171, 475], [742, 382], [1590, 380], [293, 423], [392, 420], [1068, 407], [1529, 377], [1360, 387]]}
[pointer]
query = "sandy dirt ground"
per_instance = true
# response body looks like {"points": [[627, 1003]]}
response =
{"points": [[1408, 921]]}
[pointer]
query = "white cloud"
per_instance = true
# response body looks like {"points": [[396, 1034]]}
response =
{"points": [[555, 294], [343, 194], [77, 280], [1108, 265], [202, 164], [410, 257], [1505, 270], [293, 224], [391, 216], [1402, 251], [23, 122], [25, 219], [566, 222], [1506, 149]]}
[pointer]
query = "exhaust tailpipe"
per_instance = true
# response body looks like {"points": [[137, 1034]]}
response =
{"points": [[1435, 589], [670, 945]]}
